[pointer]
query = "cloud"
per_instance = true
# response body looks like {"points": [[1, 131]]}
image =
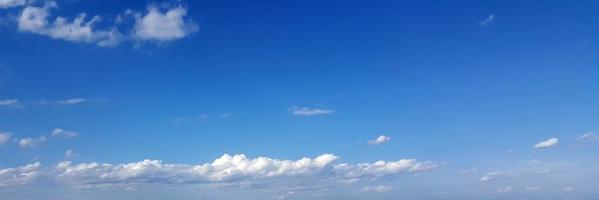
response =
{"points": [[19, 176], [57, 132], [546, 144], [4, 137], [12, 3], [306, 111], [533, 188], [487, 20], [80, 30], [31, 142], [469, 171], [380, 140], [588, 137], [162, 25], [10, 103], [72, 101], [70, 154], [506, 189], [495, 176], [379, 189], [384, 168], [227, 169]]}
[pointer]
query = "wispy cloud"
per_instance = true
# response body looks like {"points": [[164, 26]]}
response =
{"points": [[588, 137], [306, 111], [547, 143], [72, 101], [13, 103], [57, 132], [4, 137], [379, 189], [487, 20], [380, 140]]}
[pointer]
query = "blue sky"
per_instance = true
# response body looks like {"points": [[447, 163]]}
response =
{"points": [[142, 99]]}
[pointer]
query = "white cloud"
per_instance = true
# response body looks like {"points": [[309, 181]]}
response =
{"points": [[163, 25], [487, 20], [70, 154], [495, 176], [379, 189], [57, 132], [546, 144], [72, 101], [10, 103], [469, 171], [568, 189], [228, 169], [588, 137], [306, 111], [31, 142], [19, 176], [383, 168], [12, 3], [506, 189], [4, 137], [380, 140], [533, 188], [81, 30]]}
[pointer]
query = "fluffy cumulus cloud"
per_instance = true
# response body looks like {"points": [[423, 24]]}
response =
{"points": [[306, 111], [19, 176], [81, 29], [228, 169], [57, 132], [12, 3], [163, 24], [546, 143], [380, 140], [159, 24], [31, 142], [4, 137]]}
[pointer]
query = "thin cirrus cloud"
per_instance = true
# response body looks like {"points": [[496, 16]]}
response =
{"points": [[546, 143], [487, 20], [57, 132], [72, 101], [157, 24], [13, 103], [379, 189], [230, 169], [380, 140], [307, 111]]}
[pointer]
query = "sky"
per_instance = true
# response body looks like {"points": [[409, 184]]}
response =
{"points": [[301, 100]]}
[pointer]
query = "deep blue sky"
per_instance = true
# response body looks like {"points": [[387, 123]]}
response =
{"points": [[426, 73]]}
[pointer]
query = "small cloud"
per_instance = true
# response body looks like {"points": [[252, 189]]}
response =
{"points": [[533, 188], [588, 137], [225, 114], [569, 189], [510, 151], [469, 171], [203, 116], [13, 103], [495, 176], [4, 137], [546, 144], [306, 111], [380, 140], [487, 20], [57, 132], [70, 154], [72, 101], [162, 25], [378, 189], [506, 189], [31, 142]]}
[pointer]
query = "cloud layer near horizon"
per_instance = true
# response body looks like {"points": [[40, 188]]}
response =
{"points": [[226, 169]]}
